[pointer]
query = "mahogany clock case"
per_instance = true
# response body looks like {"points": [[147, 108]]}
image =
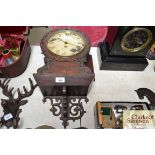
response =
{"points": [[113, 55], [76, 81], [19, 66]]}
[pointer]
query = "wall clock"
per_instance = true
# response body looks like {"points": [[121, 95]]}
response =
{"points": [[67, 74]]}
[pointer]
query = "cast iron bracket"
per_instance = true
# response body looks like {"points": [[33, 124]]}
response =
{"points": [[145, 92], [67, 107]]}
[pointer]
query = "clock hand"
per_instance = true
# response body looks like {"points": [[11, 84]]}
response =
{"points": [[68, 42], [56, 39], [65, 42], [73, 44], [61, 40]]}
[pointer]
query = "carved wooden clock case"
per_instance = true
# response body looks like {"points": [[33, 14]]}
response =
{"points": [[67, 74]]}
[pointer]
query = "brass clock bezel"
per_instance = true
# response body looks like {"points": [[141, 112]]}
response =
{"points": [[145, 45], [48, 53]]}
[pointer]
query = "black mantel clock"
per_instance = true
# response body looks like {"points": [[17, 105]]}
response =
{"points": [[67, 74], [127, 47]]}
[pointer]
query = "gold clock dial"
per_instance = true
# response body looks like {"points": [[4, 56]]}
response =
{"points": [[136, 39], [66, 42]]}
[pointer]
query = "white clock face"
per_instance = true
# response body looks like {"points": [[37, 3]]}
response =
{"points": [[66, 43]]}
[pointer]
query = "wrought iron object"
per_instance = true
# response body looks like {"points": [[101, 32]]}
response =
{"points": [[81, 127], [67, 107], [11, 106], [119, 122], [119, 108], [45, 127], [145, 92], [137, 107]]}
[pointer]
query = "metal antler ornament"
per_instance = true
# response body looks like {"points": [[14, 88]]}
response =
{"points": [[11, 106]]}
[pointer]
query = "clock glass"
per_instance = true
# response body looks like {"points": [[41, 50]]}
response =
{"points": [[136, 39], [66, 42]]}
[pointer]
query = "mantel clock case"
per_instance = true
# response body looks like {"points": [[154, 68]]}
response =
{"points": [[125, 48]]}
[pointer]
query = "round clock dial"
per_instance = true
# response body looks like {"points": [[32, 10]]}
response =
{"points": [[65, 45], [136, 40], [66, 42]]}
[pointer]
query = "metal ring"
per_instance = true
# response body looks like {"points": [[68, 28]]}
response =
{"points": [[146, 44]]}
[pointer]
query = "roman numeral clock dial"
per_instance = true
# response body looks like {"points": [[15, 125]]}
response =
{"points": [[66, 43]]}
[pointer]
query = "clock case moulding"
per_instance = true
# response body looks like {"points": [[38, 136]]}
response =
{"points": [[114, 58], [19, 66]]}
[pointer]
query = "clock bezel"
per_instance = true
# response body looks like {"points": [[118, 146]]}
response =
{"points": [[48, 53], [143, 46]]}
